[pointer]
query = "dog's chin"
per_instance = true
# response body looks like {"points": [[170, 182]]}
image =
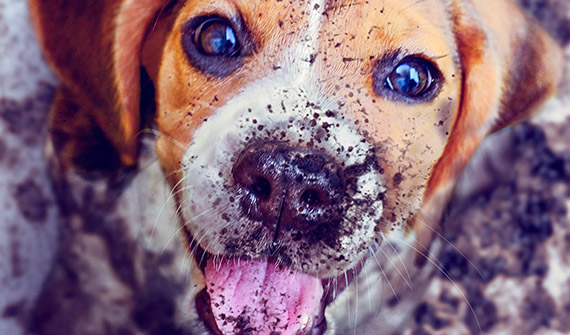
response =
{"points": [[263, 296]]}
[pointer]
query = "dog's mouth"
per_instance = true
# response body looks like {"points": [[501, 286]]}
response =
{"points": [[287, 206], [263, 297], [275, 258]]}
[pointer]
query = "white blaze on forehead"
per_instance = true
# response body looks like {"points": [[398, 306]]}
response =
{"points": [[279, 107], [305, 50]]}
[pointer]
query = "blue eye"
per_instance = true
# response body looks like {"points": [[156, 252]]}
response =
{"points": [[216, 37], [412, 77]]}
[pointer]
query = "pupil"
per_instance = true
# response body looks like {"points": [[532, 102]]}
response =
{"points": [[218, 38], [407, 79]]}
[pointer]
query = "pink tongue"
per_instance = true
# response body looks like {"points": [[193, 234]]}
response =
{"points": [[258, 297]]}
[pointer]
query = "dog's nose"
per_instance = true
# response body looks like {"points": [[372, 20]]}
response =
{"points": [[290, 187]]}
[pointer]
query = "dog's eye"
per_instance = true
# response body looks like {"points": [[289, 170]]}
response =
{"points": [[413, 77], [216, 37], [217, 45]]}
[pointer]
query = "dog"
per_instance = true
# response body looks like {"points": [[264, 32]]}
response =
{"points": [[298, 137]]}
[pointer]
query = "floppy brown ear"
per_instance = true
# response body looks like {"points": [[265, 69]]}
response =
{"points": [[509, 66], [94, 48]]}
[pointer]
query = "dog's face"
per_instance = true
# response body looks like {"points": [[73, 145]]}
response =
{"points": [[303, 132], [298, 135]]}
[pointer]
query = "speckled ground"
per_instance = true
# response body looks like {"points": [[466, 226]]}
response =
{"points": [[28, 215], [510, 249]]}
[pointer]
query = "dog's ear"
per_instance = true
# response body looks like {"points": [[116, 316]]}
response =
{"points": [[509, 67], [94, 48]]}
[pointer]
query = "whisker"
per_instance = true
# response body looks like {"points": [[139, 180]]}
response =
{"points": [[198, 241], [387, 241], [172, 193], [149, 164], [157, 133], [408, 283], [368, 288], [335, 289], [355, 279], [380, 267], [455, 248], [348, 304], [442, 270], [411, 6], [385, 276], [185, 260], [209, 210]]}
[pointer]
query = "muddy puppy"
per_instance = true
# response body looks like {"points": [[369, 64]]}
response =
{"points": [[299, 137]]}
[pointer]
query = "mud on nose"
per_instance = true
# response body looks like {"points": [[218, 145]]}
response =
{"points": [[289, 187]]}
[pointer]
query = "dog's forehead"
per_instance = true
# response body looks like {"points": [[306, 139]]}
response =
{"points": [[375, 26], [329, 46], [338, 40]]}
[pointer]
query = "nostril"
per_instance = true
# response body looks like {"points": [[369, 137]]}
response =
{"points": [[261, 188], [310, 197]]}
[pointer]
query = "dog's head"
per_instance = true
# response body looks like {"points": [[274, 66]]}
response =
{"points": [[297, 135]]}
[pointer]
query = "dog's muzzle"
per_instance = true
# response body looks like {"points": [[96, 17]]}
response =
{"points": [[289, 188], [283, 208], [293, 192]]}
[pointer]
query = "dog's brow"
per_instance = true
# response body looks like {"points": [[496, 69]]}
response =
{"points": [[390, 57], [331, 5]]}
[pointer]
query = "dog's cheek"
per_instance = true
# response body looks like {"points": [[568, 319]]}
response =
{"points": [[409, 139], [185, 100], [187, 97]]}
